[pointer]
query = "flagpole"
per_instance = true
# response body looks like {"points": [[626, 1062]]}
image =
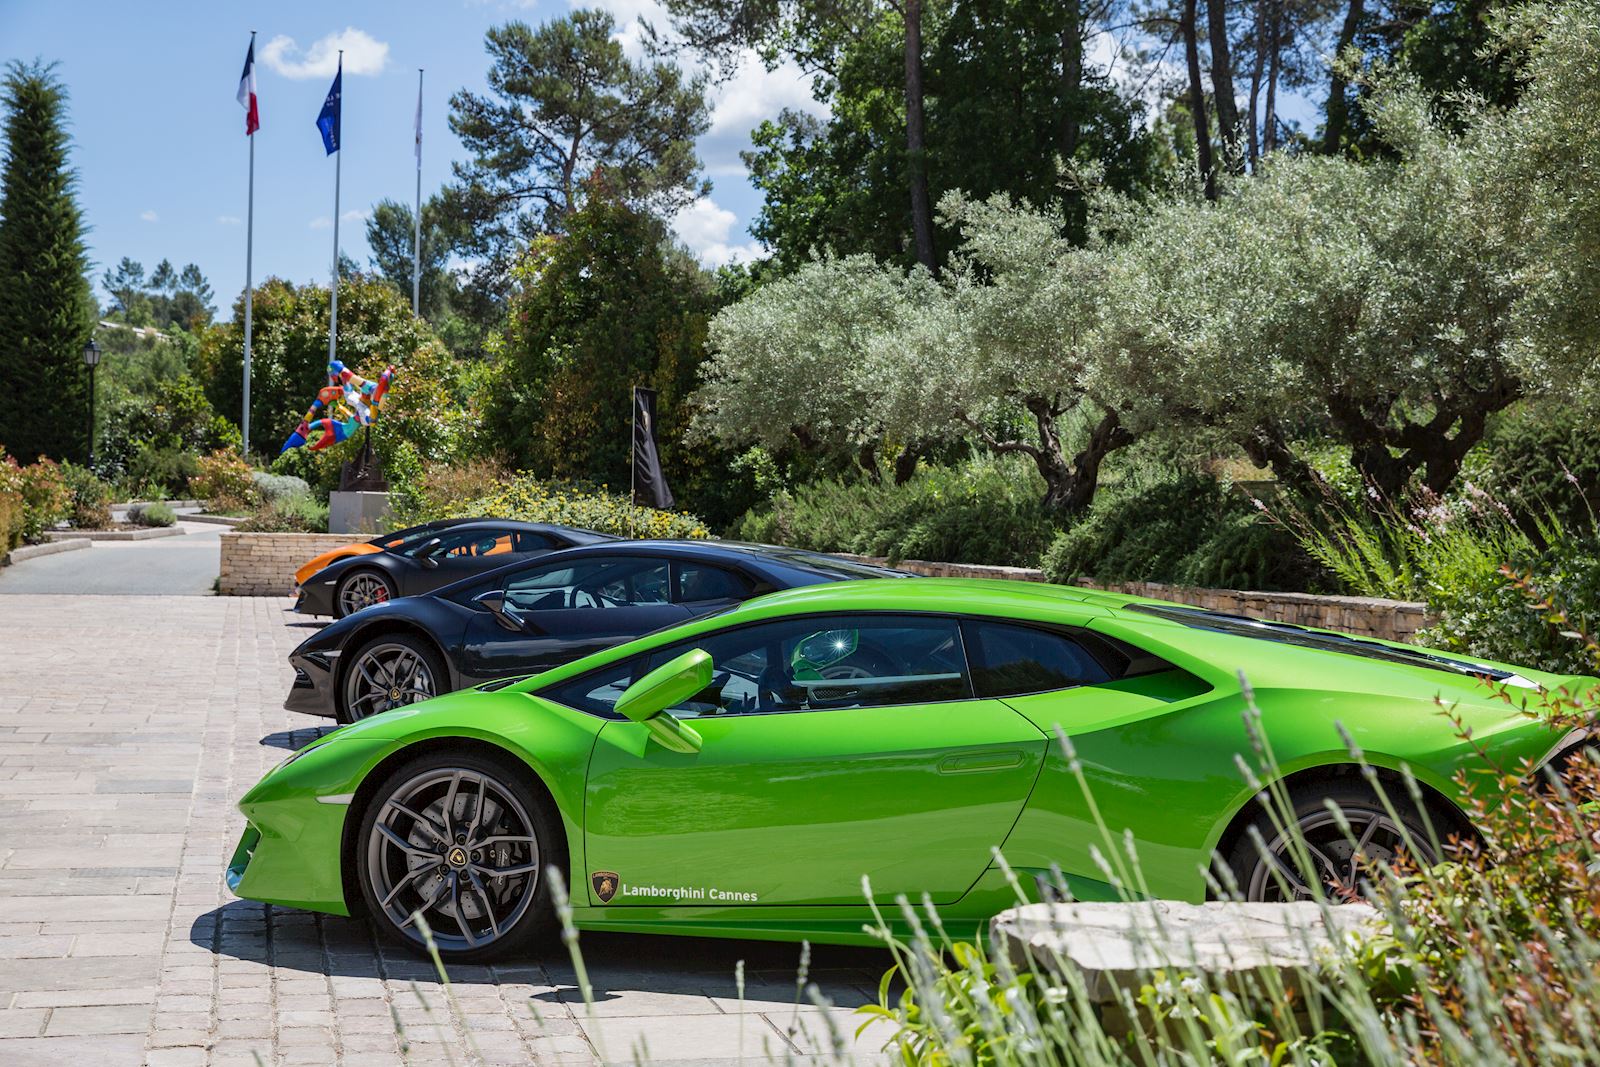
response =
{"points": [[416, 237], [249, 295], [338, 159]]}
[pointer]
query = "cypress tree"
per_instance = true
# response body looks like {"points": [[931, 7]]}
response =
{"points": [[47, 310]]}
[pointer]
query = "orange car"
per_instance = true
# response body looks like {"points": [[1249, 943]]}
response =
{"points": [[362, 548]]}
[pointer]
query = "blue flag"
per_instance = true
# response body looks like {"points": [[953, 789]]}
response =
{"points": [[328, 119]]}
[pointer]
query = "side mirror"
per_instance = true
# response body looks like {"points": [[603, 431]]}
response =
{"points": [[425, 553], [646, 700], [495, 601]]}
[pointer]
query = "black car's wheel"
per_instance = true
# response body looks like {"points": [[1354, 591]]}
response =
{"points": [[361, 589], [462, 840], [1329, 856], [388, 672]]}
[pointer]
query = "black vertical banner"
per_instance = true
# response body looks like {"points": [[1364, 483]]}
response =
{"points": [[649, 483]]}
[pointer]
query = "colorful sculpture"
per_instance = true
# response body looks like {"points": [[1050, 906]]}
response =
{"points": [[350, 400]]}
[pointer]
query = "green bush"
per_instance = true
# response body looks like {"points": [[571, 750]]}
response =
{"points": [[289, 513], [90, 504], [1185, 529], [45, 498], [982, 511], [531, 499], [1543, 457], [155, 513], [224, 481], [160, 472], [11, 504], [274, 487]]}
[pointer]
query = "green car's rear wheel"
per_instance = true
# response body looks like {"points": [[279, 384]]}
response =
{"points": [[463, 841], [1327, 854]]}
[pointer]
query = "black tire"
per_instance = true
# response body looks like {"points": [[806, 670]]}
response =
{"points": [[362, 587], [499, 917], [1331, 852], [415, 672]]}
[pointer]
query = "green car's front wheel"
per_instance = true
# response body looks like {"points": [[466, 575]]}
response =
{"points": [[462, 841]]}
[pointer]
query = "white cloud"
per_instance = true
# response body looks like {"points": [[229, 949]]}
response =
{"points": [[362, 55], [355, 215], [229, 220], [322, 222], [706, 228], [149, 216]]}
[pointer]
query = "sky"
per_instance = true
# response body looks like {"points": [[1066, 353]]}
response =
{"points": [[162, 158]]}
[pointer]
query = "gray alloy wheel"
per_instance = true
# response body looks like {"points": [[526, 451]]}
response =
{"points": [[457, 845], [389, 672], [1335, 856], [362, 590]]}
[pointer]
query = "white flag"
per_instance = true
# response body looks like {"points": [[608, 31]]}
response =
{"points": [[418, 124]]}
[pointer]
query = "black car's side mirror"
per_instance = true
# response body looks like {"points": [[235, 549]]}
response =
{"points": [[495, 601], [425, 553]]}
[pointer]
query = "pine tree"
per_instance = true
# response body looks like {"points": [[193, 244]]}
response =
{"points": [[47, 311]]}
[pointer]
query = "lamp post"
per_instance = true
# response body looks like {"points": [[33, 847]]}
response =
{"points": [[91, 359]]}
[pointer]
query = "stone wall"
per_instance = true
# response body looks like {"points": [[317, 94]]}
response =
{"points": [[1391, 620], [263, 564]]}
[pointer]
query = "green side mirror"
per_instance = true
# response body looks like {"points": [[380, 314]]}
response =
{"points": [[647, 700]]}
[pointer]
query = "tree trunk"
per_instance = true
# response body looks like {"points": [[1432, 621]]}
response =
{"points": [[905, 464], [867, 460], [1069, 128], [1269, 122], [1256, 73], [1222, 84], [1197, 100], [1070, 486], [916, 162], [1267, 447], [1338, 108]]}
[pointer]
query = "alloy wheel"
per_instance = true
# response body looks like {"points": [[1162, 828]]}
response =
{"points": [[362, 591], [387, 675], [458, 848], [1335, 857]]}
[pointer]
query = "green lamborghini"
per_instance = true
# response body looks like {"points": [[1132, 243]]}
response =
{"points": [[741, 775]]}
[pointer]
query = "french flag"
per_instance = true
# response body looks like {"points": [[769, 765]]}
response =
{"points": [[247, 91]]}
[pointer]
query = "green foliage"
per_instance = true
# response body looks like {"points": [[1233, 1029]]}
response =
{"points": [[287, 513], [224, 481], [608, 306], [11, 503], [290, 357], [1544, 455], [46, 498], [533, 499], [275, 487], [47, 312], [153, 513], [154, 413], [979, 512], [170, 299], [90, 498], [1184, 529], [566, 106]]}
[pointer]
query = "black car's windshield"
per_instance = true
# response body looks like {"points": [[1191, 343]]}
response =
{"points": [[1303, 637]]}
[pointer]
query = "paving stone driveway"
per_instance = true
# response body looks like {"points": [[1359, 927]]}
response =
{"points": [[129, 725]]}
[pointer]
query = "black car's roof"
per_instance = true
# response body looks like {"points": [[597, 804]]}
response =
{"points": [[574, 533], [782, 567]]}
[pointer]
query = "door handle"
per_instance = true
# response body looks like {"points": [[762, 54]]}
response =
{"points": [[980, 761]]}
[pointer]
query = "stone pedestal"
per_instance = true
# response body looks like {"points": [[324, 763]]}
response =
{"points": [[358, 513]]}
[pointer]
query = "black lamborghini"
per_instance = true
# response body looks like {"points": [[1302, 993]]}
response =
{"points": [[534, 615], [431, 559]]}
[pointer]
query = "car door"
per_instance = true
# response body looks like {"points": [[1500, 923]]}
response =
{"points": [[569, 609], [834, 748]]}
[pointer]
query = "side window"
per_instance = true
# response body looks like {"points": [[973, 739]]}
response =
{"points": [[597, 692], [827, 663], [699, 582], [595, 582], [1010, 660], [528, 541]]}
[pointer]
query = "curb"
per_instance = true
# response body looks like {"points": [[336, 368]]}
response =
{"points": [[48, 548], [217, 520], [145, 534]]}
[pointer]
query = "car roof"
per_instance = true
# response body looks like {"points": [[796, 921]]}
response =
{"points": [[983, 596], [579, 534]]}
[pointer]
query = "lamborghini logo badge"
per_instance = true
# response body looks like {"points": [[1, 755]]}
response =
{"points": [[605, 885]]}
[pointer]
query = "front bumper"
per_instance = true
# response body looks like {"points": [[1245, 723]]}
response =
{"points": [[315, 679], [314, 598]]}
